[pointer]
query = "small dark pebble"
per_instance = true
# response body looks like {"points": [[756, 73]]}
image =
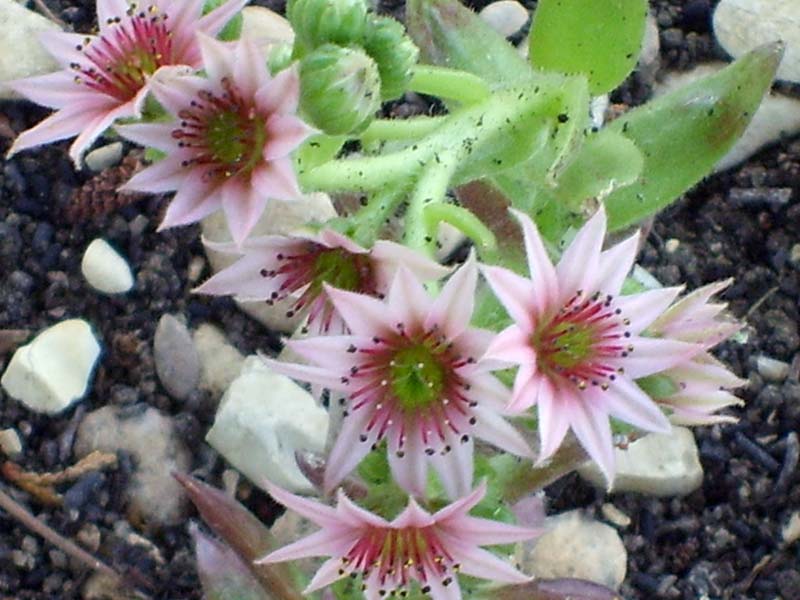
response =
{"points": [[760, 196], [83, 490], [756, 453]]}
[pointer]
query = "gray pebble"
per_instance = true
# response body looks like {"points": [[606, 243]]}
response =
{"points": [[176, 359]]}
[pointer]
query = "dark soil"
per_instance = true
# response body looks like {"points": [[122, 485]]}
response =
{"points": [[722, 541]]}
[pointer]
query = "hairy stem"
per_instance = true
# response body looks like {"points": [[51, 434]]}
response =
{"points": [[449, 83]]}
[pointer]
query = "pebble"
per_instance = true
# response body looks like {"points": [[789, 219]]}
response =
{"points": [[154, 498], [279, 218], [104, 157], [262, 420], [741, 25], [220, 362], [52, 371], [671, 245], [778, 116], [506, 17], [790, 532], [771, 369], [576, 546], [10, 444], [105, 269], [657, 464], [614, 515], [21, 54], [176, 359], [794, 255], [764, 196]]}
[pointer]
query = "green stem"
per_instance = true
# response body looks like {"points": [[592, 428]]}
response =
{"points": [[449, 83], [369, 220], [400, 129], [431, 187], [466, 222]]}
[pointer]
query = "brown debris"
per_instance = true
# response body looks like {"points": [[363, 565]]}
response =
{"points": [[98, 196], [42, 485]]}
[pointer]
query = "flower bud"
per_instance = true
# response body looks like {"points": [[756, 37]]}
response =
{"points": [[318, 22], [387, 42], [279, 58], [340, 89]]}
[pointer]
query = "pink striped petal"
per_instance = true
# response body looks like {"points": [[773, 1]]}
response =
{"points": [[553, 414], [592, 429], [642, 309], [452, 309], [284, 134], [626, 401], [616, 263], [517, 294], [276, 179], [282, 95], [579, 265], [542, 271]]}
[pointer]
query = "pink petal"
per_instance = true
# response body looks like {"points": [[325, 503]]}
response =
{"points": [[642, 309], [578, 268], [330, 571], [333, 239], [154, 135], [364, 315], [592, 429], [319, 543], [489, 392], [517, 294], [282, 94], [355, 516], [166, 175], [407, 298], [276, 179], [218, 59], [511, 346], [493, 428], [626, 401], [455, 467], [96, 126], [318, 375], [485, 532], [413, 516], [457, 509], [481, 563], [316, 512], [243, 206], [57, 90], [108, 10], [616, 263], [526, 388], [452, 309], [652, 355], [193, 202], [348, 450], [543, 274], [58, 126], [242, 279], [410, 472], [284, 134], [554, 419], [176, 93], [438, 591], [249, 68], [330, 351], [214, 21], [63, 46]]}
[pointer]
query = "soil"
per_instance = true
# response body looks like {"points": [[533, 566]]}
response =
{"points": [[722, 541]]}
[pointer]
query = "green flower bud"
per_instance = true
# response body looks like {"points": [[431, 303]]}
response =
{"points": [[318, 22], [339, 89], [387, 42], [280, 57]]}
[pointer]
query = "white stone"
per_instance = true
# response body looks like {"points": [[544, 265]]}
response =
{"points": [[741, 25], [220, 363], [154, 497], [262, 420], [10, 443], [777, 117], [657, 464], [53, 371], [279, 218], [576, 546], [176, 359], [790, 532], [21, 54], [615, 516], [506, 17], [651, 46], [105, 269], [104, 157], [772, 369]]}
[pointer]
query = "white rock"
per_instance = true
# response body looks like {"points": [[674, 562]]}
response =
{"points": [[741, 25], [790, 532], [176, 359], [575, 546], [21, 54], [10, 443], [154, 497], [53, 371], [105, 269], [220, 363], [262, 419], [777, 117], [506, 17], [657, 464], [104, 157], [280, 218], [651, 46], [614, 515], [771, 369]]}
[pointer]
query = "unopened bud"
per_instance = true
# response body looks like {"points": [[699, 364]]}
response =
{"points": [[387, 42], [340, 89], [319, 22]]}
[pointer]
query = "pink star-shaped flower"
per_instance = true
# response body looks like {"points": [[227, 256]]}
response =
{"points": [[229, 144], [429, 549], [579, 343], [106, 76], [407, 374], [272, 268]]}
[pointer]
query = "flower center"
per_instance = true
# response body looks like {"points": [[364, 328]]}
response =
{"points": [[342, 269], [417, 377], [225, 133], [119, 62], [400, 556], [582, 341]]}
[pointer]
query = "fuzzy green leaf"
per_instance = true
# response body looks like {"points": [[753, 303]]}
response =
{"points": [[683, 134], [599, 38]]}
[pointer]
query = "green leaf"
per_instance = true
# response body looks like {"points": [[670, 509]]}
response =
{"points": [[607, 160], [233, 28], [683, 134], [599, 38], [450, 35]]}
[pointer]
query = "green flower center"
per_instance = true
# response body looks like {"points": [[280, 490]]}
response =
{"points": [[417, 377], [234, 140], [341, 269], [565, 345]]}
